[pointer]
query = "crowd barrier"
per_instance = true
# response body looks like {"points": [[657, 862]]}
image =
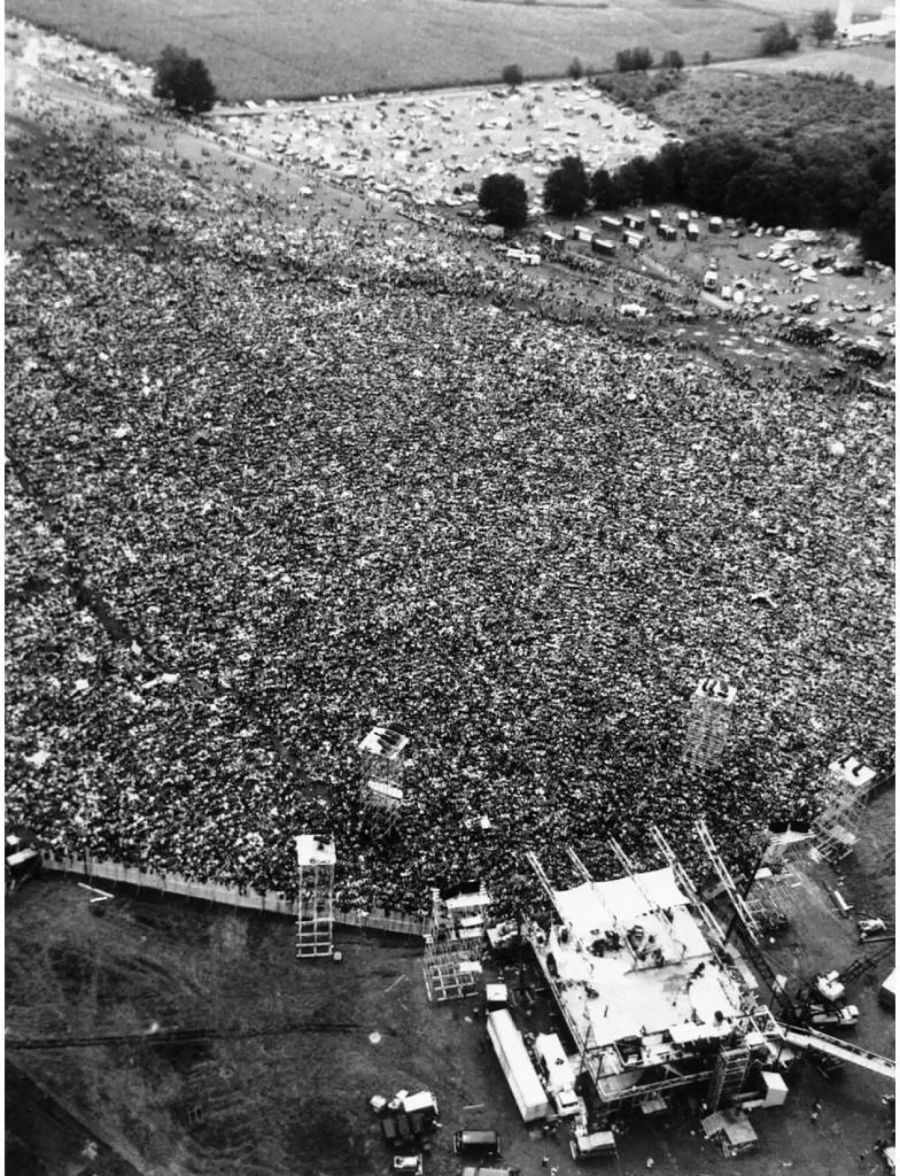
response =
{"points": [[96, 869]]}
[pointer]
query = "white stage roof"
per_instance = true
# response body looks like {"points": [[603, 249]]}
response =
{"points": [[623, 996], [594, 908]]}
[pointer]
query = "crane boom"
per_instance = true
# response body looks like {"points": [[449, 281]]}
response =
{"points": [[844, 1051]]}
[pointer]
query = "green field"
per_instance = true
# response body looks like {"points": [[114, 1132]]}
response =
{"points": [[876, 63], [272, 48]]}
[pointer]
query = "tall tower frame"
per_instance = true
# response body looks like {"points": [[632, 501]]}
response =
{"points": [[383, 756], [316, 859], [708, 723]]}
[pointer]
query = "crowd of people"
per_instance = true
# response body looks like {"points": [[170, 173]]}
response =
{"points": [[273, 478]]}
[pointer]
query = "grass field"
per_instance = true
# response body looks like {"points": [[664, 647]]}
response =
{"points": [[875, 63], [272, 48]]}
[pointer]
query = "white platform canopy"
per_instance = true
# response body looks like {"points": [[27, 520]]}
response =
{"points": [[315, 851]]}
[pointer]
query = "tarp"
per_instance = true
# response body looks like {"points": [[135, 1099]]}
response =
{"points": [[587, 907]]}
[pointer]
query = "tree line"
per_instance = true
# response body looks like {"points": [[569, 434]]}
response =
{"points": [[834, 182]]}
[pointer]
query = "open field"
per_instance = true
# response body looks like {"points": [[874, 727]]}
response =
{"points": [[864, 63], [294, 1102], [274, 48]]}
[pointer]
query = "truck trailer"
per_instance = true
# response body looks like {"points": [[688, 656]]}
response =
{"points": [[521, 1076]]}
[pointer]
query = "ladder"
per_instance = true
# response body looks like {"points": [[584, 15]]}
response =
{"points": [[728, 1077]]}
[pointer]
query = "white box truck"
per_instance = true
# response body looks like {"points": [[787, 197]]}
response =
{"points": [[521, 1076], [558, 1074]]}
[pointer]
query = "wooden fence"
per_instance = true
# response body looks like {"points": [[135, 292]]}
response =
{"points": [[269, 902]]}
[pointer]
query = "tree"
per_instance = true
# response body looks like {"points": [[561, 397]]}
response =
{"points": [[184, 81], [877, 228], [672, 59], [670, 162], [566, 190], [629, 60], [629, 178], [706, 58], [652, 178], [823, 26], [605, 191], [504, 199], [643, 58], [777, 39], [512, 76], [575, 70]]}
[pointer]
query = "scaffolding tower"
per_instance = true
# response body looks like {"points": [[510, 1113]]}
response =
{"points": [[708, 723], [316, 860], [383, 754], [849, 785], [454, 948], [728, 1077], [768, 900]]}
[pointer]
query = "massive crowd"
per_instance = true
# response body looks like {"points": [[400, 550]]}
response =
{"points": [[272, 478]]}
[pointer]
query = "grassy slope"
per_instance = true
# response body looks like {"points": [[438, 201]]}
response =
{"points": [[266, 48]]}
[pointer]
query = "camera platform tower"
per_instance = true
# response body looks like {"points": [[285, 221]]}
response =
{"points": [[383, 755], [316, 859], [708, 723]]}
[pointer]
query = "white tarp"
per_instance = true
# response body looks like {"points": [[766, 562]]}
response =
{"points": [[589, 907]]}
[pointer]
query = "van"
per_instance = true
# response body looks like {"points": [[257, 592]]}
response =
{"points": [[411, 1164], [477, 1143]]}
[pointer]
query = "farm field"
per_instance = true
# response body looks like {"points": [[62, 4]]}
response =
{"points": [[274, 49], [875, 63]]}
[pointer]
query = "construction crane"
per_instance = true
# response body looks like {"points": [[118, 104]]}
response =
{"points": [[176, 1036], [749, 923], [865, 964]]}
